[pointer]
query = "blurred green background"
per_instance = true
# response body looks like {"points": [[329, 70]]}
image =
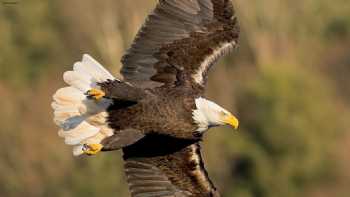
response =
{"points": [[289, 84]]}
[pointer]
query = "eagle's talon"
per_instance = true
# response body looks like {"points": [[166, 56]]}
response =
{"points": [[92, 149], [95, 94]]}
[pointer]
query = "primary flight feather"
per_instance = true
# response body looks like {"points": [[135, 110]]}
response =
{"points": [[157, 113]]}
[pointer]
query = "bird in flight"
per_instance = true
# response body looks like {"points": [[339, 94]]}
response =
{"points": [[157, 113]]}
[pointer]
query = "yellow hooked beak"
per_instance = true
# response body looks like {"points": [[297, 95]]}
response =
{"points": [[232, 121]]}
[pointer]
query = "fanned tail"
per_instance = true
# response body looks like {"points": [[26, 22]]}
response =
{"points": [[82, 120]]}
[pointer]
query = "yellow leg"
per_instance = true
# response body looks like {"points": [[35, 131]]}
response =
{"points": [[92, 149], [95, 94]]}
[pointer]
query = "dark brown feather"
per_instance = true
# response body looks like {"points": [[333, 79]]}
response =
{"points": [[164, 166], [121, 139], [120, 90], [178, 38], [164, 110]]}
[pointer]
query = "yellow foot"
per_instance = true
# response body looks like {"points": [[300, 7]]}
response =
{"points": [[92, 149], [95, 94]]}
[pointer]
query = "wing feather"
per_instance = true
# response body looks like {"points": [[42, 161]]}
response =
{"points": [[180, 37], [165, 166], [145, 180]]}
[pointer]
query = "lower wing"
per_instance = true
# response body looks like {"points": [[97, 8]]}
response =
{"points": [[165, 166]]}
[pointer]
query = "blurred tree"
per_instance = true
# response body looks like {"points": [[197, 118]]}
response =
{"points": [[29, 43], [287, 122]]}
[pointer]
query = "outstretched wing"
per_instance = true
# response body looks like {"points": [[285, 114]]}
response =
{"points": [[165, 166], [180, 41]]}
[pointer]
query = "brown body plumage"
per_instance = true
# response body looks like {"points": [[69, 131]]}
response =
{"points": [[162, 110], [167, 160]]}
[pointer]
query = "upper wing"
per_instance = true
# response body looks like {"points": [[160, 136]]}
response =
{"points": [[165, 166], [180, 41]]}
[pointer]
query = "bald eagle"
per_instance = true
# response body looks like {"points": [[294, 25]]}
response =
{"points": [[157, 113]]}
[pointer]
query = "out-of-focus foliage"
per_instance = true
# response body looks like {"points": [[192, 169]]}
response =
{"points": [[284, 148], [288, 83]]}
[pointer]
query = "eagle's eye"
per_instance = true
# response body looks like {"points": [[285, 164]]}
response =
{"points": [[224, 114]]}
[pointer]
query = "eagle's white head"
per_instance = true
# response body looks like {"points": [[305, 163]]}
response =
{"points": [[209, 114]]}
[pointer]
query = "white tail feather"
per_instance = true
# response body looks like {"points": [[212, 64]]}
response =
{"points": [[82, 120]]}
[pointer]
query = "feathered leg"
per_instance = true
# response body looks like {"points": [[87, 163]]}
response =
{"points": [[115, 89]]}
